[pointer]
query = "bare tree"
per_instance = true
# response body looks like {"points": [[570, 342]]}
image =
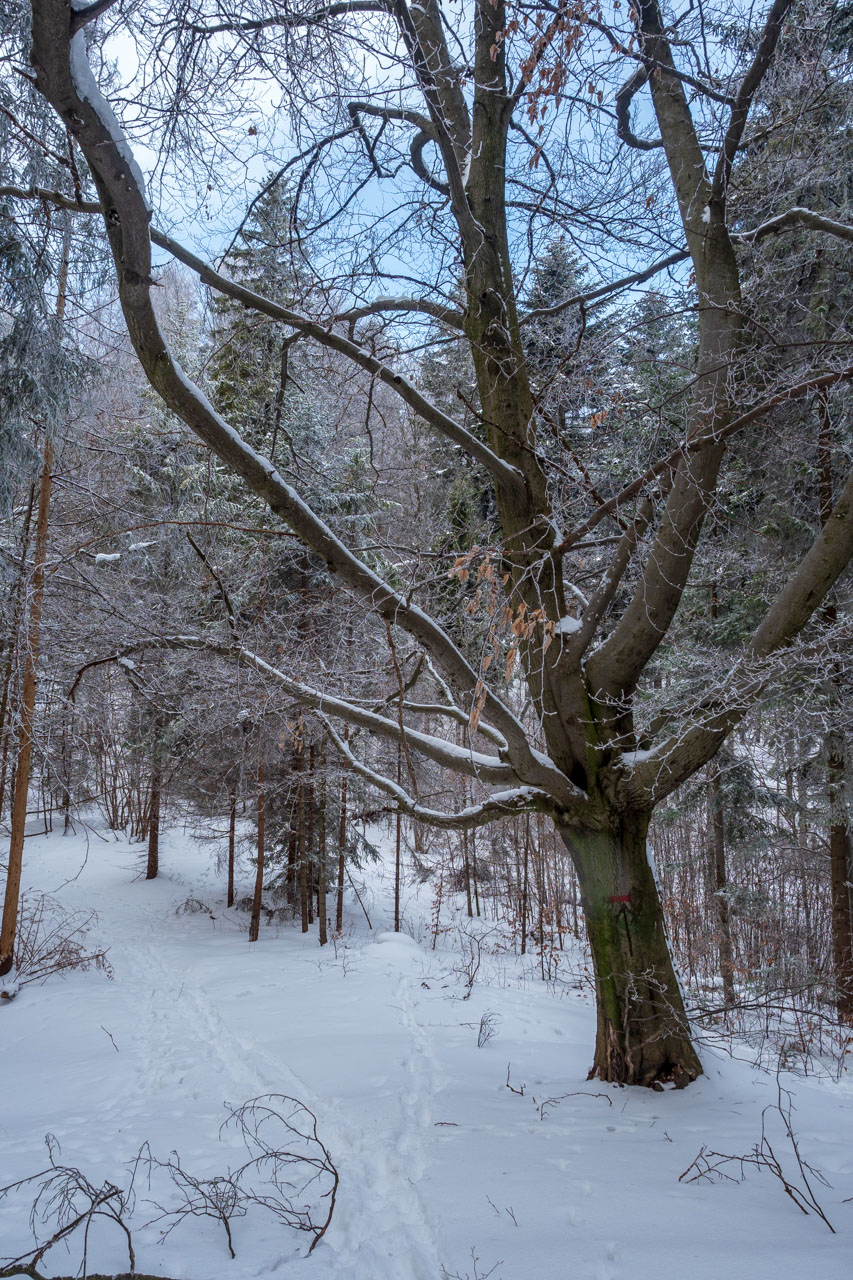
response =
{"points": [[471, 98]]}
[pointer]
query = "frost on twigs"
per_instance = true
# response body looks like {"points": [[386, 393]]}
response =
{"points": [[289, 1173]]}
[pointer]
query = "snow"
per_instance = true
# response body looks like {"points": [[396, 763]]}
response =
{"points": [[437, 1157], [87, 88], [567, 626], [104, 557]]}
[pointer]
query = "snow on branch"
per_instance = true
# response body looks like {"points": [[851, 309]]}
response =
{"points": [[501, 804], [488, 769], [797, 217]]}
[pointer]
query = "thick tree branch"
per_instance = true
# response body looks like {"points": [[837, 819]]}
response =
{"points": [[673, 761], [489, 769], [623, 100], [820, 382], [416, 157], [609, 585], [457, 715], [503, 804], [796, 217], [423, 306], [677, 129], [502, 472], [746, 93], [423, 35], [581, 299], [82, 17], [616, 666]]}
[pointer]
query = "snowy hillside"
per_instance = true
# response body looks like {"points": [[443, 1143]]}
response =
{"points": [[443, 1169]]}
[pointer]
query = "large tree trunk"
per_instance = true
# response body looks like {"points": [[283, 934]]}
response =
{"points": [[643, 1037]]}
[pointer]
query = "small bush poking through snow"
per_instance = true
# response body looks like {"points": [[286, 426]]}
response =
{"points": [[192, 907], [51, 939]]}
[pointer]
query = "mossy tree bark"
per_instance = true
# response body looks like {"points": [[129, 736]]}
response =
{"points": [[643, 1036]]}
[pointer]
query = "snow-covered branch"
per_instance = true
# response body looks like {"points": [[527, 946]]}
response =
{"points": [[489, 769], [501, 804], [501, 471], [797, 217]]}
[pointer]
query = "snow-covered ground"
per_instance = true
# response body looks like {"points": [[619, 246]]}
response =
{"points": [[443, 1169]]}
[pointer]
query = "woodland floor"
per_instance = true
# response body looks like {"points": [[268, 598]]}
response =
{"points": [[443, 1169]]}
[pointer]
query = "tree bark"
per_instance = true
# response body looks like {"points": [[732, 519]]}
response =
{"points": [[302, 857], [398, 846], [322, 923], [839, 828], [255, 922], [839, 862], [721, 884], [309, 843], [642, 1036], [11, 899], [232, 826], [153, 864], [7, 700], [342, 839], [467, 865], [525, 883]]}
